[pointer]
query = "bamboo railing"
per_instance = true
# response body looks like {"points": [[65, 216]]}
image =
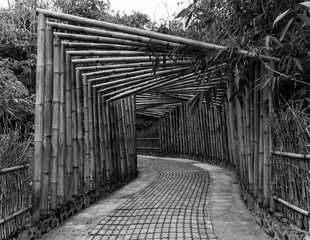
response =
{"points": [[15, 199]]}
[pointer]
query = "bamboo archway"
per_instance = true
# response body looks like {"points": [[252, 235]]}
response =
{"points": [[93, 78]]}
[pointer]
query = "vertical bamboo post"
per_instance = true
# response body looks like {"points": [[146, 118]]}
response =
{"points": [[69, 152], [123, 164], [39, 120], [96, 138], [270, 97], [261, 146], [256, 105], [86, 134], [126, 136], [114, 141], [240, 130], [91, 136], [267, 150], [106, 139], [101, 140], [55, 123], [75, 148], [81, 152], [248, 140], [161, 133], [48, 93], [62, 131], [134, 110]]}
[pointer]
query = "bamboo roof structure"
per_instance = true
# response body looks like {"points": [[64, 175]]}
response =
{"points": [[118, 61]]}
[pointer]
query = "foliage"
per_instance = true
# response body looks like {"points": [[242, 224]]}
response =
{"points": [[135, 19], [290, 130], [13, 151], [95, 9]]}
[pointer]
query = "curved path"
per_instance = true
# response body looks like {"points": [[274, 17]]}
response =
{"points": [[171, 199]]}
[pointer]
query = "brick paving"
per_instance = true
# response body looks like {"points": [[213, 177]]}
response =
{"points": [[174, 206]]}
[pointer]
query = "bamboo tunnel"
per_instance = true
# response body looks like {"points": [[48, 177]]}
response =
{"points": [[93, 78]]}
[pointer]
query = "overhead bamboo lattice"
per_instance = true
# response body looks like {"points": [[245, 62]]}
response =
{"points": [[93, 78]]}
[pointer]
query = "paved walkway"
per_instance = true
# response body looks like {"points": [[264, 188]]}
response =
{"points": [[171, 199]]}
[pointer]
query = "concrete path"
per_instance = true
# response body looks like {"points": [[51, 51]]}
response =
{"points": [[171, 199]]}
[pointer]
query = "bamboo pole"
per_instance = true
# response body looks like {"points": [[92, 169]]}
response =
{"points": [[55, 123], [39, 120], [69, 150], [261, 146], [48, 93], [92, 149], [75, 144], [96, 137], [115, 35], [106, 140], [86, 136], [134, 129], [267, 150], [81, 153], [256, 103], [62, 176], [126, 137], [249, 156]]}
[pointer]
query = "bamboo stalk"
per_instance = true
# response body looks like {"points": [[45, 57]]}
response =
{"points": [[96, 137], [75, 144], [62, 177], [92, 149], [39, 120], [106, 139], [102, 161], [256, 103], [55, 123], [48, 94], [134, 130], [250, 158], [81, 153], [86, 136], [69, 150]]}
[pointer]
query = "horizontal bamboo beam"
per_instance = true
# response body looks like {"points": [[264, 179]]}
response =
{"points": [[149, 34], [116, 35], [129, 65], [149, 148], [106, 53], [101, 46], [287, 204], [291, 155], [111, 59], [12, 169], [94, 39], [14, 215]]}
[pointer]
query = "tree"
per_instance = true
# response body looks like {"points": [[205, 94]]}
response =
{"points": [[95, 9]]}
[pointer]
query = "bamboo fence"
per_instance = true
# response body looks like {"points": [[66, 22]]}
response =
{"points": [[15, 201], [94, 77]]}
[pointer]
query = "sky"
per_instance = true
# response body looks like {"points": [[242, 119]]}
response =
{"points": [[156, 9]]}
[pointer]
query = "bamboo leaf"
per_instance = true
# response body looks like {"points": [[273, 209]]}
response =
{"points": [[304, 18], [188, 19], [283, 33], [282, 15], [298, 64], [184, 12], [305, 4]]}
